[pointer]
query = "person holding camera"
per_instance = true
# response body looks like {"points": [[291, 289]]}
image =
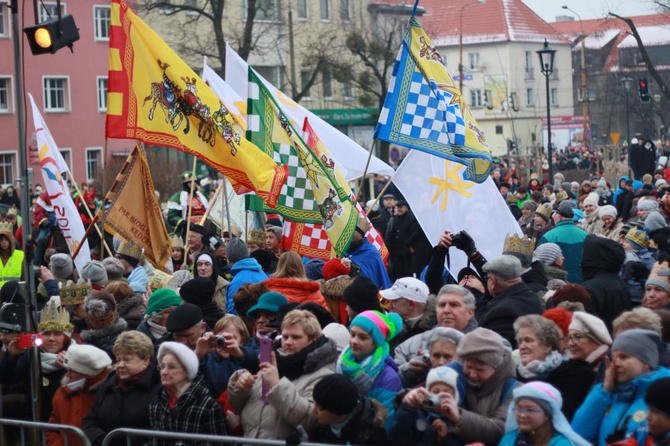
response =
{"points": [[423, 418]]}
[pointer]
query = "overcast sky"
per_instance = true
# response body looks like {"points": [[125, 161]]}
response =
{"points": [[590, 9]]}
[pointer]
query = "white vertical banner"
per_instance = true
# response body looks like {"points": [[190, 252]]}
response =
{"points": [[53, 167]]}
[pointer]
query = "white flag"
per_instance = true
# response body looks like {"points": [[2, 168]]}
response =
{"points": [[441, 199], [240, 219], [53, 168]]}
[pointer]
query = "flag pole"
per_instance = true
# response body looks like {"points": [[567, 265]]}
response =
{"points": [[381, 194], [87, 233], [88, 212], [103, 244], [190, 206], [216, 195], [367, 164], [227, 208]]}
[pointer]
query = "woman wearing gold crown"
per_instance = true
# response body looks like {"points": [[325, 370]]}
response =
{"points": [[11, 264], [55, 330]]}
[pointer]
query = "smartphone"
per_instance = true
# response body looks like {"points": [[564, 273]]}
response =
{"points": [[29, 340], [265, 356]]}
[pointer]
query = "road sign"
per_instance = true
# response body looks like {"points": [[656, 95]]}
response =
{"points": [[614, 136]]}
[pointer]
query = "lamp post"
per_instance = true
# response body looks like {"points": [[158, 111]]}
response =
{"points": [[626, 83], [460, 45], [547, 55], [585, 95]]}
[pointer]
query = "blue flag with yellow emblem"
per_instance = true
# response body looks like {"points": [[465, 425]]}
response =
{"points": [[425, 110]]}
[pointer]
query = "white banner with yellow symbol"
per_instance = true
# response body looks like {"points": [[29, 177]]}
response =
{"points": [[441, 199]]}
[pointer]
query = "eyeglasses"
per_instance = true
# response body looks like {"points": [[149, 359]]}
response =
{"points": [[526, 410], [574, 338]]}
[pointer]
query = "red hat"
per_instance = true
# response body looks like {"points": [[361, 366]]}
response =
{"points": [[336, 267], [560, 316]]}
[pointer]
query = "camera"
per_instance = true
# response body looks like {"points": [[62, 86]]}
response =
{"points": [[432, 402], [218, 340], [29, 340], [456, 238], [425, 358]]}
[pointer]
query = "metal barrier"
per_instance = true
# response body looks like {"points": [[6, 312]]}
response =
{"points": [[199, 438], [35, 433]]}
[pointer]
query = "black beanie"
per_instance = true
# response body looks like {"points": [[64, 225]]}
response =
{"points": [[198, 291], [336, 393], [324, 316], [361, 295], [183, 317], [657, 396]]}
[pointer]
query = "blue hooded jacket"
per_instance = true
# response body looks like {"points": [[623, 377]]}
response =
{"points": [[245, 271]]}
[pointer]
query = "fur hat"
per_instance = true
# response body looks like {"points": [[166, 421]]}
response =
{"points": [[61, 265], [95, 272], [608, 209], [336, 393], [183, 317], [184, 355], [547, 253], [591, 199], [113, 267], [100, 309], [237, 250], [445, 375], [642, 344], [591, 326], [647, 205], [482, 344], [160, 300], [86, 359], [505, 267], [381, 327], [361, 295]]}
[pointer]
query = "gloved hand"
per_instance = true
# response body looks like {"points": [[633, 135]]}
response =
{"points": [[464, 242]]}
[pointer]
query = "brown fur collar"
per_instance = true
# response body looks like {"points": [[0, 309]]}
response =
{"points": [[335, 288]]}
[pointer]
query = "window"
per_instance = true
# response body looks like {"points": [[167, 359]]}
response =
{"points": [[165, 8], [102, 93], [345, 14], [56, 94], [325, 10], [7, 168], [348, 89], [101, 22], [589, 91], [529, 72], [554, 97], [48, 10], [476, 98], [271, 74], [499, 130], [327, 84], [4, 19], [304, 80], [192, 4], [266, 10], [530, 97], [67, 157], [302, 9], [473, 61], [93, 162], [6, 99]]}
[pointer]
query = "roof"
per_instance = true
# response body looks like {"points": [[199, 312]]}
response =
{"points": [[493, 21]]}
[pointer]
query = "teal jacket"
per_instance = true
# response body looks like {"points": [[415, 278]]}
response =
{"points": [[571, 241], [557, 440]]}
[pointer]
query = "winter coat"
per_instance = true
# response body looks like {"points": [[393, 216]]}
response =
{"points": [[571, 241], [70, 407], [554, 272], [372, 266], [592, 224], [132, 310], [573, 379], [115, 408], [405, 429], [602, 262], [365, 426], [536, 278], [220, 296], [603, 412], [295, 290], [332, 291], [245, 271], [506, 307], [386, 386], [216, 372], [619, 190], [195, 412], [635, 271], [104, 338], [291, 403], [381, 222], [613, 232], [557, 439]]}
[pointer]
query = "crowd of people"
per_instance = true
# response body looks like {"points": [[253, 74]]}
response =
{"points": [[561, 340]]}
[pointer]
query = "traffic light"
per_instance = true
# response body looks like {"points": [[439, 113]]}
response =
{"points": [[52, 35], [643, 89]]}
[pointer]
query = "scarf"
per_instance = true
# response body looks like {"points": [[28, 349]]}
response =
{"points": [[365, 372], [48, 361], [597, 355], [125, 385], [156, 330], [294, 366], [538, 369]]}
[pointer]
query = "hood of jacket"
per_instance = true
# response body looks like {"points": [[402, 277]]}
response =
{"points": [[294, 284], [601, 255], [535, 274], [249, 263]]}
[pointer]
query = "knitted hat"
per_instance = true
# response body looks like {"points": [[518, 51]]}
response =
{"points": [[198, 291], [160, 300], [573, 184], [313, 269], [445, 375], [408, 288], [336, 267], [86, 359], [61, 265], [547, 253], [561, 317], [505, 267], [95, 272], [183, 317], [336, 393], [655, 221], [565, 208], [660, 182], [361, 295], [544, 210], [337, 333], [278, 231], [647, 205], [237, 250], [113, 267], [381, 327], [642, 344], [591, 199], [608, 209], [659, 276], [482, 344], [530, 205], [559, 176], [184, 355], [269, 301], [657, 396], [591, 326], [100, 309], [602, 183]]}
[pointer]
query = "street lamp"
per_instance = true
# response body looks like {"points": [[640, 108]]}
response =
{"points": [[626, 83], [585, 96], [547, 67], [460, 45]]}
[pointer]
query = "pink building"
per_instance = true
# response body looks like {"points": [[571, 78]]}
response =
{"points": [[70, 90]]}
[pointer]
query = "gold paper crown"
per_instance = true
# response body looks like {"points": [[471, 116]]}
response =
{"points": [[74, 293], [639, 238], [257, 236], [176, 241], [6, 226], [130, 249], [519, 245], [54, 317], [158, 279], [363, 224], [544, 210]]}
